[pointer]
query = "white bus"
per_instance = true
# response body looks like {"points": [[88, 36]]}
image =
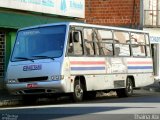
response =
{"points": [[78, 59]]}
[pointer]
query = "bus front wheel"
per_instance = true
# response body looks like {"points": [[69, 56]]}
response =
{"points": [[78, 91]]}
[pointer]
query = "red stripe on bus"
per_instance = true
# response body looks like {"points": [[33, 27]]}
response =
{"points": [[140, 62], [87, 62]]}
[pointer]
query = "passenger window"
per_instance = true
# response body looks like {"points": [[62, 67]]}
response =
{"points": [[106, 49], [122, 43], [106, 42], [97, 39], [88, 41], [138, 44], [147, 45], [122, 37], [75, 43]]}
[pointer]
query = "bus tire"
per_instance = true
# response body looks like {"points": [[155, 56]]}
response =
{"points": [[129, 87], [128, 91], [78, 93]]}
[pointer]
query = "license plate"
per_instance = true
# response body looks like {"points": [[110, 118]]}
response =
{"points": [[32, 85]]}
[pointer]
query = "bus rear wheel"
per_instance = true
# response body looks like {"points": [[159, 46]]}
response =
{"points": [[128, 91], [78, 91]]}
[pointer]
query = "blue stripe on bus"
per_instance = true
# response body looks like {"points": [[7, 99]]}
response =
{"points": [[87, 68], [140, 67]]}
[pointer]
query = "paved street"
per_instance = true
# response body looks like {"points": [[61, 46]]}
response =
{"points": [[143, 105]]}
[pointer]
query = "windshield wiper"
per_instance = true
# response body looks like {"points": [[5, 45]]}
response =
{"points": [[24, 58], [43, 57]]}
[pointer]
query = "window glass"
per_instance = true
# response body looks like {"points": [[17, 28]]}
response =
{"points": [[106, 48], [75, 43], [88, 41], [147, 39], [138, 44], [137, 38], [106, 35], [37, 43], [105, 42], [122, 43], [148, 46], [122, 50], [122, 37], [138, 50], [148, 51], [97, 41]]}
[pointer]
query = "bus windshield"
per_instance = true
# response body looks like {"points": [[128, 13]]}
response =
{"points": [[37, 43]]}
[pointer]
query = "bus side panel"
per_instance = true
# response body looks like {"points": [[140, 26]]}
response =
{"points": [[100, 73], [65, 71], [93, 69], [142, 70]]}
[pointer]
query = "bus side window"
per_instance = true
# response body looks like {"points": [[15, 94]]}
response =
{"points": [[122, 43], [138, 44], [98, 40], [88, 41], [147, 45], [106, 42], [75, 43], [70, 46]]}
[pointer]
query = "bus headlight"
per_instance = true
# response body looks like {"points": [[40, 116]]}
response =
{"points": [[57, 77], [11, 81]]}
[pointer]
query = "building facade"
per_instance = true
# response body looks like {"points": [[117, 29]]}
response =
{"points": [[125, 13], [152, 19], [152, 25], [15, 14]]}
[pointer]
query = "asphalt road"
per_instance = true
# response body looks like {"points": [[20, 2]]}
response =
{"points": [[143, 105]]}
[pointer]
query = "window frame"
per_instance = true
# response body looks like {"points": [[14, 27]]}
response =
{"points": [[113, 44], [70, 34], [129, 45], [139, 45]]}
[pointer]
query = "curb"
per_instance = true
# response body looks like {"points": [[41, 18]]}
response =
{"points": [[152, 89], [9, 102]]}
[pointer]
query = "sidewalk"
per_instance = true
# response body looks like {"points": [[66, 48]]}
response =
{"points": [[155, 87], [7, 100]]}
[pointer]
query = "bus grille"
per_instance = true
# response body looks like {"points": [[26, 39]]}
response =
{"points": [[33, 79]]}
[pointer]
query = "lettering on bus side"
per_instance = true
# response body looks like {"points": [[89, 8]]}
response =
{"points": [[32, 67]]}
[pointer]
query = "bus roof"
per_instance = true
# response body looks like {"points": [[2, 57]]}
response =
{"points": [[85, 25]]}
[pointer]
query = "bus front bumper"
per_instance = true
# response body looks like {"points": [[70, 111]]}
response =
{"points": [[37, 87]]}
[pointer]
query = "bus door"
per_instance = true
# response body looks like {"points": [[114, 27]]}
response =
{"points": [[156, 57]]}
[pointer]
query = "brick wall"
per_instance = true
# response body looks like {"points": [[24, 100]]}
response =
{"points": [[113, 12], [2, 57]]}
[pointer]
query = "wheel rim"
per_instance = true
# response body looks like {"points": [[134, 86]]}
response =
{"points": [[129, 87], [78, 91]]}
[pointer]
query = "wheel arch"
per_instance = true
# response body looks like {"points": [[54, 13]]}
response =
{"points": [[132, 79], [82, 80]]}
